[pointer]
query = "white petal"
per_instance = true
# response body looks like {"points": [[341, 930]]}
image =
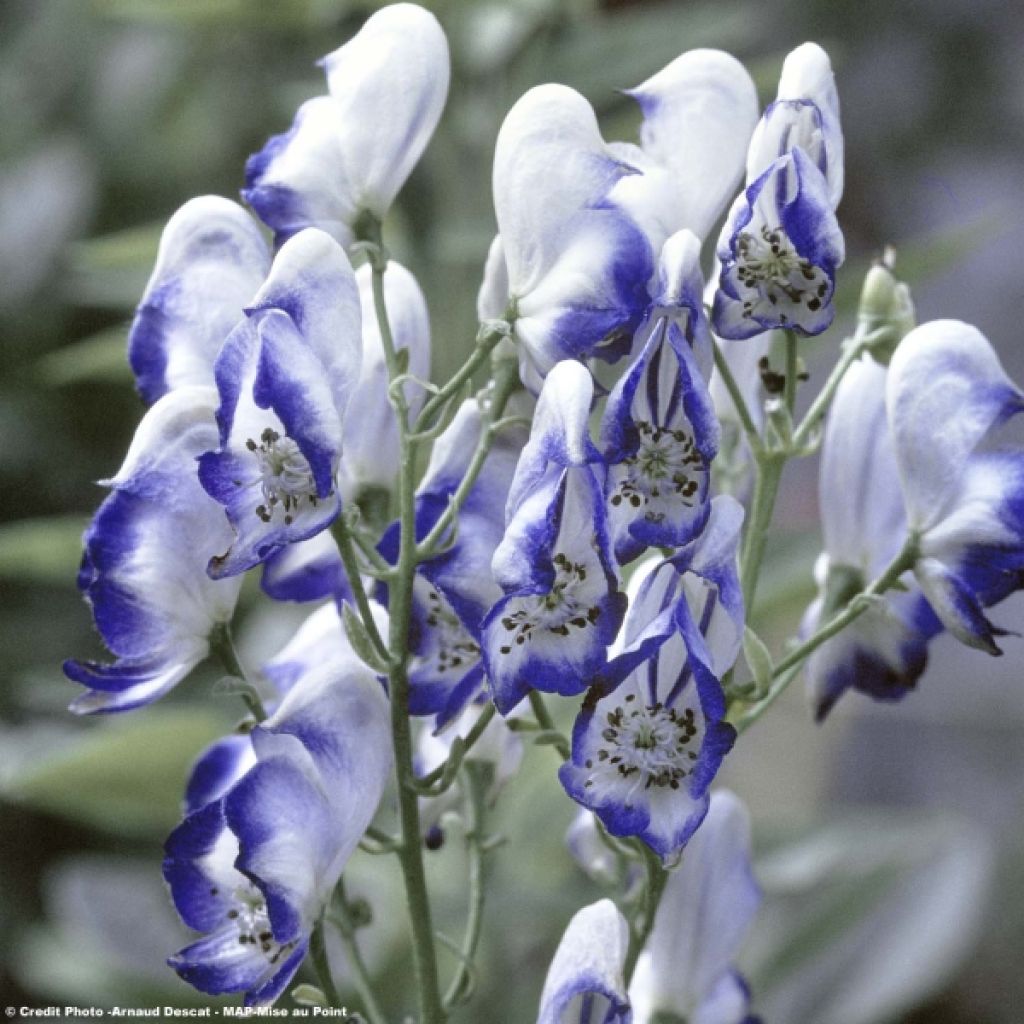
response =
{"points": [[492, 299]]}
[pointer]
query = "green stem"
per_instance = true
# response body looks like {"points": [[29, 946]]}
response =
{"points": [[547, 723], [476, 808], [766, 487], [739, 403], [429, 784], [640, 929], [222, 646], [852, 351], [318, 955], [343, 537], [360, 974], [792, 371]]}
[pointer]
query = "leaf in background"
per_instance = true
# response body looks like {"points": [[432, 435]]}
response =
{"points": [[867, 918], [293, 14], [41, 550], [103, 356], [112, 270], [127, 775]]}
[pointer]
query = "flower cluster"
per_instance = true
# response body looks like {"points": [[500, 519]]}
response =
{"points": [[573, 532]]}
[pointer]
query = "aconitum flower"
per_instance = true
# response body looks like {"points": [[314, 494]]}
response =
{"points": [[645, 750], [946, 392], [144, 567], [698, 116], [351, 151], [781, 243], [585, 982], [562, 604], [883, 652], [211, 262], [577, 266], [659, 431], [685, 970], [270, 821], [285, 376]]}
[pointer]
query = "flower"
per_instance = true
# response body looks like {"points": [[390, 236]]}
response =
{"points": [[350, 152], [211, 262], [698, 115], [585, 981], [946, 392], [883, 652], [285, 376], [577, 266], [370, 428], [659, 430], [685, 969], [781, 243], [270, 822], [652, 732], [144, 566], [562, 604]]}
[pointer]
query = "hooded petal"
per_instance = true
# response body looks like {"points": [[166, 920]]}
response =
{"points": [[143, 566], [211, 262], [698, 115], [779, 250], [370, 430], [806, 115], [946, 391], [708, 905], [353, 150], [577, 266], [307, 571], [492, 299], [585, 980]]}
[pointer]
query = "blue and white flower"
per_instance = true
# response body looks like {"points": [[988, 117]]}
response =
{"points": [[698, 115], [659, 431], [685, 970], [562, 604], [211, 262], [645, 750], [285, 376], [585, 983], [144, 567], [351, 151], [309, 570], [577, 264], [946, 393], [270, 821], [781, 243], [883, 652]]}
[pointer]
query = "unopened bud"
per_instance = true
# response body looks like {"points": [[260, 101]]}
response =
{"points": [[886, 310]]}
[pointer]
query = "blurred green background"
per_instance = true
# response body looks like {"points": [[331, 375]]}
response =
{"points": [[891, 845]]}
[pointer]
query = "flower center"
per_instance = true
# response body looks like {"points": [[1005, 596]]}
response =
{"points": [[285, 477], [558, 611], [455, 647], [647, 744], [768, 265], [249, 916], [666, 464]]}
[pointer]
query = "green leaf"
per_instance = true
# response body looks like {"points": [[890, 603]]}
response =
{"points": [[759, 660], [359, 638], [127, 775], [41, 550], [99, 357]]}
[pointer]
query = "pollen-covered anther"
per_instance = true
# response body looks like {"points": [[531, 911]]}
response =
{"points": [[285, 477], [249, 915], [456, 648], [770, 267], [666, 465], [649, 745]]}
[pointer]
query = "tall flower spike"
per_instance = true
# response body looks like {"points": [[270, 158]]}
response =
{"points": [[144, 567], [883, 652], [585, 983], [352, 150], [370, 429], [946, 392], [211, 262], [645, 750], [659, 430], [285, 376], [562, 604], [270, 824], [577, 265], [805, 114], [686, 968], [698, 116]]}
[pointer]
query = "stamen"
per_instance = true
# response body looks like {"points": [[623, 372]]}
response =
{"points": [[285, 480], [779, 280]]}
